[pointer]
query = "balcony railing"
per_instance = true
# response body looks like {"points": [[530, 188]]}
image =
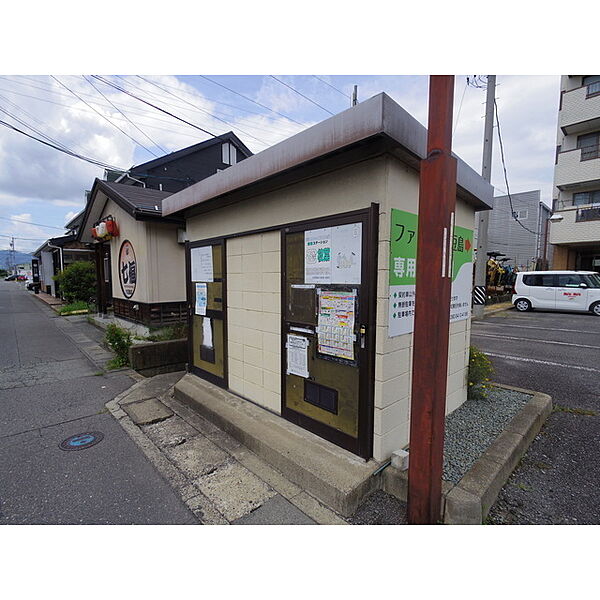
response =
{"points": [[587, 214]]}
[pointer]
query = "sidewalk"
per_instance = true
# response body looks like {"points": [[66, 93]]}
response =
{"points": [[220, 480]]}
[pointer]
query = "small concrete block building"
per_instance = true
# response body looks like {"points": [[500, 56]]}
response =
{"points": [[300, 275]]}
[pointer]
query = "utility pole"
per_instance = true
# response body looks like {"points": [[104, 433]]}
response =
{"points": [[486, 173], [355, 96], [437, 200], [12, 256]]}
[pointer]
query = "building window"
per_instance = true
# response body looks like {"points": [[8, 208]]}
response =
{"points": [[593, 85], [520, 214], [590, 145], [581, 198], [229, 154]]}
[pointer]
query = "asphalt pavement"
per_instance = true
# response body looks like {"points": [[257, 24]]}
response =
{"points": [[558, 354], [50, 390]]}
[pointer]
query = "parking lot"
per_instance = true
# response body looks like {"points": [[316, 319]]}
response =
{"points": [[559, 354]]}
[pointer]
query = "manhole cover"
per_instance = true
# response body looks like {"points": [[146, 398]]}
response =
{"points": [[81, 441]]}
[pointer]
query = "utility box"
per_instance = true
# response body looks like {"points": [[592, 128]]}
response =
{"points": [[301, 276]]}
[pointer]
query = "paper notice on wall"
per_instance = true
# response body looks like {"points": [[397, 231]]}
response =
{"points": [[201, 298], [335, 325], [202, 264], [333, 254], [207, 334], [297, 355]]}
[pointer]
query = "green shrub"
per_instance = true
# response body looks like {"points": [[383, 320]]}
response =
{"points": [[77, 282], [79, 305], [119, 340], [480, 370], [173, 332]]}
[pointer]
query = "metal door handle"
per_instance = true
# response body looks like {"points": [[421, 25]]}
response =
{"points": [[363, 335]]}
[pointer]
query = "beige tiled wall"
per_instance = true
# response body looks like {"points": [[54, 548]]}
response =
{"points": [[254, 318]]}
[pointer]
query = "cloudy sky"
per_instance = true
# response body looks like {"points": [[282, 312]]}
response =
{"points": [[42, 188]]}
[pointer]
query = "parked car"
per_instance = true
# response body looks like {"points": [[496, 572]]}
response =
{"points": [[10, 278], [31, 285], [21, 277], [558, 290]]}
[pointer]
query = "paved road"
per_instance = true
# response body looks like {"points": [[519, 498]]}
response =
{"points": [[559, 354], [50, 390]]}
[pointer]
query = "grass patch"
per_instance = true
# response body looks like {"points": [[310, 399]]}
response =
{"points": [[574, 411], [73, 307], [174, 332], [116, 363]]}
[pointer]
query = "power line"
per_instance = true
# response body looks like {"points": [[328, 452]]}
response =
{"points": [[125, 116], [460, 106], [301, 94], [69, 152], [512, 210], [201, 109], [251, 100], [104, 117], [23, 238], [13, 220], [332, 86], [118, 87]]}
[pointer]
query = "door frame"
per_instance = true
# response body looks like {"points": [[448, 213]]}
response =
{"points": [[211, 377], [363, 445]]}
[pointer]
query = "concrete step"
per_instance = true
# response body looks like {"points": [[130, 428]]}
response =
{"points": [[334, 476]]}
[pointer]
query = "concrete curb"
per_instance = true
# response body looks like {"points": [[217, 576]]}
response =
{"points": [[469, 501]]}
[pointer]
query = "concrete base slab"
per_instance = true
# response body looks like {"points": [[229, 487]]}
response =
{"points": [[276, 511], [197, 456], [234, 490], [147, 411], [338, 478]]}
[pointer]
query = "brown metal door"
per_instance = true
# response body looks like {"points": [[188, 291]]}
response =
{"points": [[207, 336], [329, 276]]}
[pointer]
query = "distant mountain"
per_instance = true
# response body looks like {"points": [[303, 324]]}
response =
{"points": [[20, 257]]}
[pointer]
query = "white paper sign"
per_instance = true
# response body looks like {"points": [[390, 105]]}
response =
{"points": [[297, 355], [333, 254], [201, 294], [202, 264], [207, 337]]}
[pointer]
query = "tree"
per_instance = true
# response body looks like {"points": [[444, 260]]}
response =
{"points": [[78, 282]]}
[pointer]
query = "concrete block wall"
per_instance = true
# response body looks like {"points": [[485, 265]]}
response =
{"points": [[254, 318]]}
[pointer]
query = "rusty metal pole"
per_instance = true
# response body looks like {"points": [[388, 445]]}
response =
{"points": [[437, 200]]}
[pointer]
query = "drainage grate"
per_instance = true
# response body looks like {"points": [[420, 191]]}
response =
{"points": [[81, 441]]}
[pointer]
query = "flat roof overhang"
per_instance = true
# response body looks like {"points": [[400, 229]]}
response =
{"points": [[372, 128]]}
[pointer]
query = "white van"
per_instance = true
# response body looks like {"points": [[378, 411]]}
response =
{"points": [[558, 290]]}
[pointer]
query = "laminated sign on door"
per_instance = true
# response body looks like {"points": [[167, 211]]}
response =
{"points": [[403, 272]]}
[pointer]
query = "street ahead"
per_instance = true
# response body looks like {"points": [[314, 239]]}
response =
{"points": [[559, 354], [49, 391]]}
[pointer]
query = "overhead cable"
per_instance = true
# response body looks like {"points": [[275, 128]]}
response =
{"points": [[301, 94]]}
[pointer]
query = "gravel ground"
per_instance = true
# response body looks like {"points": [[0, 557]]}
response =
{"points": [[472, 427]]}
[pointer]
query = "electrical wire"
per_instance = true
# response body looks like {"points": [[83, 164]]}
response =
{"points": [[104, 117], [512, 210], [202, 110], [70, 153], [251, 100], [301, 94], [30, 223], [332, 87], [121, 89], [460, 107], [126, 117]]}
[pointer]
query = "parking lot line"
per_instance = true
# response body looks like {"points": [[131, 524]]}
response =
{"points": [[542, 362], [521, 339], [534, 327]]}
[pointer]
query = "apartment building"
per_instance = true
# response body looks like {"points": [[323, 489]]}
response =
{"points": [[520, 232], [575, 226]]}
